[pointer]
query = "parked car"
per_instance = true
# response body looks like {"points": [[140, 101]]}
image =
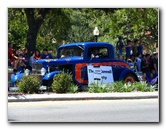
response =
{"points": [[76, 58]]}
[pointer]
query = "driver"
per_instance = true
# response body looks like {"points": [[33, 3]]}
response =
{"points": [[95, 53]]}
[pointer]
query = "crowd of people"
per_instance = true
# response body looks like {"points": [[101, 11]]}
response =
{"points": [[19, 59], [145, 63]]}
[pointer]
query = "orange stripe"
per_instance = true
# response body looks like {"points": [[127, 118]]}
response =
{"points": [[79, 66], [78, 73]]}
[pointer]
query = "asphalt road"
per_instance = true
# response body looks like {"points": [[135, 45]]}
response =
{"points": [[138, 110]]}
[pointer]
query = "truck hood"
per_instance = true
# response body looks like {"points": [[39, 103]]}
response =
{"points": [[60, 60]]}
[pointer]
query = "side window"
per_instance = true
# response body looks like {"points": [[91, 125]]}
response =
{"points": [[98, 52], [104, 52]]}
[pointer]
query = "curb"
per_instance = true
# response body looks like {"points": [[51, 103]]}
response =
{"points": [[81, 96]]}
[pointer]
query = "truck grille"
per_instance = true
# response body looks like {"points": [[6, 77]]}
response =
{"points": [[37, 67]]}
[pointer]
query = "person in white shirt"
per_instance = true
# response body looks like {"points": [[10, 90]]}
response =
{"points": [[32, 60], [95, 53], [138, 60]]}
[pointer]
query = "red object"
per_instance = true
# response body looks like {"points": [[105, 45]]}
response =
{"points": [[10, 52], [37, 57]]}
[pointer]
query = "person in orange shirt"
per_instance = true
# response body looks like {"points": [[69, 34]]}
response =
{"points": [[10, 52], [37, 55]]}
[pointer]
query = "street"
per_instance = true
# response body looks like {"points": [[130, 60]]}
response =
{"points": [[136, 110]]}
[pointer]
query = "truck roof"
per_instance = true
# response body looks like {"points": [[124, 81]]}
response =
{"points": [[84, 44]]}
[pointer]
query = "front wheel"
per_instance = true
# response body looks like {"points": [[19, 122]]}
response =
{"points": [[129, 78]]}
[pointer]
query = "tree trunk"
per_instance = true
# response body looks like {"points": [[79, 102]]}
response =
{"points": [[31, 39], [34, 21]]}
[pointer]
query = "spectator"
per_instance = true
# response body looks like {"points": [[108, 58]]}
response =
{"points": [[10, 52], [120, 46], [151, 62], [32, 60], [131, 63], [148, 61], [37, 55], [22, 64], [16, 59], [46, 55], [133, 58], [134, 61], [134, 48], [148, 58], [120, 57], [154, 81], [155, 62], [144, 77], [150, 78], [25, 59], [140, 48], [138, 60], [128, 47], [144, 65], [155, 74]]}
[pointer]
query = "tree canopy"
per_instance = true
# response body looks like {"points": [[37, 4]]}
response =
{"points": [[37, 28]]}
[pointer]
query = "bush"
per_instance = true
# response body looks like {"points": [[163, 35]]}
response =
{"points": [[63, 83], [128, 87], [28, 84], [73, 88], [120, 86], [114, 87], [117, 86], [96, 88], [144, 87]]}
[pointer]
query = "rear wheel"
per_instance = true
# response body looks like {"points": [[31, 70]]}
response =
{"points": [[129, 78]]}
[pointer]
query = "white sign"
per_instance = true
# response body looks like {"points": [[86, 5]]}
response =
{"points": [[101, 75]]}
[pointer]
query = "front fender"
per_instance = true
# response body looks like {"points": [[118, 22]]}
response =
{"points": [[16, 77], [50, 75]]}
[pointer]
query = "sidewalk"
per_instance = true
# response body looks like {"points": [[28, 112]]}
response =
{"points": [[80, 96]]}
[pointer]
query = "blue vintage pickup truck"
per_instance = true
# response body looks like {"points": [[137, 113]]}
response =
{"points": [[75, 58]]}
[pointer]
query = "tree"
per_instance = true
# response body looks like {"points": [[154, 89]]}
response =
{"points": [[134, 23], [54, 27], [83, 22], [81, 27], [77, 24], [35, 18], [17, 26], [36, 27]]}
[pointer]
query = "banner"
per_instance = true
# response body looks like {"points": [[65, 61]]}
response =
{"points": [[100, 75]]}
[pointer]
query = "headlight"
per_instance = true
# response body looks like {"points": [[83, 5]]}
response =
{"points": [[27, 71], [43, 71], [131, 67]]}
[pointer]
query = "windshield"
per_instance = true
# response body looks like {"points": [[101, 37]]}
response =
{"points": [[71, 51]]}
